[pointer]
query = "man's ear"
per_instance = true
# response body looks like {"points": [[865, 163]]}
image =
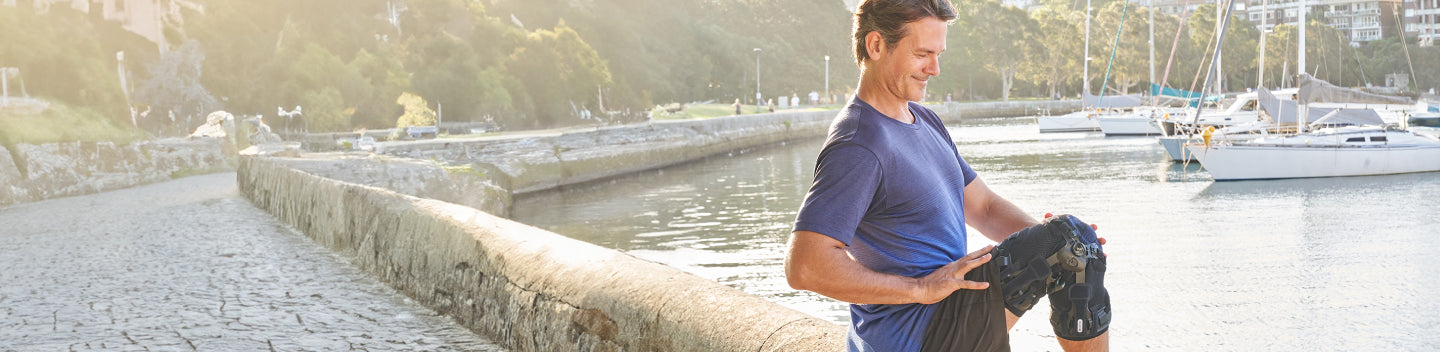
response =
{"points": [[874, 44]]}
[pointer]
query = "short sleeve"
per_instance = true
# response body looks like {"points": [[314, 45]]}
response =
{"points": [[847, 180], [930, 117], [965, 169]]}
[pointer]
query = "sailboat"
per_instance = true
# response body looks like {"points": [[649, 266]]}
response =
{"points": [[1244, 119], [1083, 120], [1346, 141], [1087, 118], [1143, 121], [1425, 115], [1328, 152]]}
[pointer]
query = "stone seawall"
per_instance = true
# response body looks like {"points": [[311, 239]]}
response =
{"points": [[953, 112], [535, 162], [414, 177], [528, 163], [31, 173], [522, 287]]}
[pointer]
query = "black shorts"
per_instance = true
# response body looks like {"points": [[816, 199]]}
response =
{"points": [[970, 320]]}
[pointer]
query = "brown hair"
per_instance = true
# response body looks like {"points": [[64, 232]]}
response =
{"points": [[889, 18]]}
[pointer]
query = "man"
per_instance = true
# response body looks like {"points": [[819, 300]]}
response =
{"points": [[883, 226]]}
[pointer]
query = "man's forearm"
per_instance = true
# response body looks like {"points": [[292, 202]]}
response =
{"points": [[831, 272], [1002, 219], [820, 264]]}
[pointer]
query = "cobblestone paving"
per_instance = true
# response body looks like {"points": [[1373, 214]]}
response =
{"points": [[190, 265]]}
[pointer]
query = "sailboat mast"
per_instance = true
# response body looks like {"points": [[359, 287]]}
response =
{"points": [[1152, 41], [1219, 69], [1264, 19], [1085, 73], [1214, 63], [1301, 62]]}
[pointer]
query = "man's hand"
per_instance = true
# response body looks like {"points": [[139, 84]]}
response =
{"points": [[942, 282]]}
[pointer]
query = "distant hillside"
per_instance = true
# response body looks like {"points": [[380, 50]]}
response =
{"points": [[547, 63], [523, 64]]}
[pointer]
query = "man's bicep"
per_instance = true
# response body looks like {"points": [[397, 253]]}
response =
{"points": [[810, 249], [813, 258], [810, 241], [847, 179]]}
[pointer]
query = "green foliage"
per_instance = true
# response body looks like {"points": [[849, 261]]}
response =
{"points": [[1059, 62], [560, 73], [417, 111], [387, 78], [63, 56], [64, 123], [544, 63], [174, 87], [1008, 48], [325, 110]]}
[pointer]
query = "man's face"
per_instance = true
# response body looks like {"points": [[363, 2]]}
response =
{"points": [[907, 69]]}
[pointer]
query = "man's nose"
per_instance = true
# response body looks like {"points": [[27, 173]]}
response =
{"points": [[932, 66]]}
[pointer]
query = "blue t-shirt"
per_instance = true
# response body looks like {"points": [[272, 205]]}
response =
{"points": [[894, 194]]}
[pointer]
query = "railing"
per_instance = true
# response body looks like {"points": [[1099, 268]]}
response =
{"points": [[1360, 26]]}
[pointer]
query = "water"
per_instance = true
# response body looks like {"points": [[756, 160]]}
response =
{"points": [[1312, 264]]}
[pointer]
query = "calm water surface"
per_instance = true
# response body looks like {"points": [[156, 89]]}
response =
{"points": [[1342, 264]]}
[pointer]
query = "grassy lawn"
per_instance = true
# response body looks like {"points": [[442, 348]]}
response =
{"points": [[64, 123]]}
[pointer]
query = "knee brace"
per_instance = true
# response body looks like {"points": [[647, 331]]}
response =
{"points": [[1060, 257]]}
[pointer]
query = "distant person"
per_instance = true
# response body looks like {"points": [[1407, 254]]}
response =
{"points": [[794, 101], [814, 98], [737, 106], [771, 104], [883, 226]]}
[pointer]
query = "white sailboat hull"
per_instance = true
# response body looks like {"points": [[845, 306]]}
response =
{"points": [[1251, 162], [1175, 147], [1129, 125], [1075, 122]]}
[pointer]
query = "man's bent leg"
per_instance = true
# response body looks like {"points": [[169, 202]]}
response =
{"points": [[1098, 344], [970, 320], [1061, 257], [1080, 308]]}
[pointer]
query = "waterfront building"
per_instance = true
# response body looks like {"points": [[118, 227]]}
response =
{"points": [[1422, 20], [1360, 21], [146, 18]]}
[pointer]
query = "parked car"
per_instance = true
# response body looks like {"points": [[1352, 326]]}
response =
{"points": [[422, 132]]}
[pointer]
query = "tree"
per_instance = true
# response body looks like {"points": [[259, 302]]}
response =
{"points": [[64, 56], [1238, 58], [387, 78], [561, 71], [325, 110], [417, 111], [1060, 60], [1007, 48], [174, 88]]}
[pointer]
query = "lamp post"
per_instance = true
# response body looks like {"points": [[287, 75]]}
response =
{"points": [[757, 80], [827, 78]]}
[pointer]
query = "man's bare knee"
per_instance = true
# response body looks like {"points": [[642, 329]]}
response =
{"points": [[1098, 344]]}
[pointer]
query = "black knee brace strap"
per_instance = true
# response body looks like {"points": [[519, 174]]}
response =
{"points": [[1060, 257]]}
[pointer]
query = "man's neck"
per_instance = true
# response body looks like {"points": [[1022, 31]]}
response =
{"points": [[886, 103]]}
